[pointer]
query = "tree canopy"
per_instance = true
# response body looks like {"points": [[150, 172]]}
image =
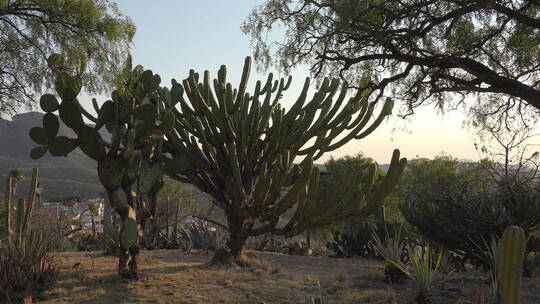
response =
{"points": [[92, 32], [415, 50]]}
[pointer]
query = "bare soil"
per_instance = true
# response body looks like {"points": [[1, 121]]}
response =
{"points": [[171, 276]]}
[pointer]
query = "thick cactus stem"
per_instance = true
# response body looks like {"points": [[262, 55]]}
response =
{"points": [[510, 264], [7, 207]]}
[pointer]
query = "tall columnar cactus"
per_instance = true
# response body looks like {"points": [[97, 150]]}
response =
{"points": [[7, 207], [241, 149], [128, 164], [510, 257], [24, 211]]}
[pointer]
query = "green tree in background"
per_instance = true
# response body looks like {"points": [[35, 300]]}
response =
{"points": [[90, 31], [461, 205], [415, 50]]}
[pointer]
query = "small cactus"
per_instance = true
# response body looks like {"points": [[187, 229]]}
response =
{"points": [[511, 253]]}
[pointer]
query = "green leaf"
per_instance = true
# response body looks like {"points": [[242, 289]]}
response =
{"points": [[48, 103], [38, 135], [146, 112], [51, 125], [71, 114], [62, 146], [38, 152]]}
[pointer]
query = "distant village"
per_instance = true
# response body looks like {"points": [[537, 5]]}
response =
{"points": [[87, 212]]}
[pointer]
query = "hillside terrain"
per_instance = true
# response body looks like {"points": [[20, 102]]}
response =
{"points": [[72, 176]]}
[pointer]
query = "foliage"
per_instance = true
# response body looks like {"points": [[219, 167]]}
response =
{"points": [[416, 50], [457, 205], [175, 204], [240, 149], [354, 237], [26, 268], [110, 239], [392, 251], [200, 235], [86, 241], [91, 31], [423, 269], [25, 264]]}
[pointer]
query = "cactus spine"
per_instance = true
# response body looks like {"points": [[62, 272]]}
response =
{"points": [[510, 264], [241, 149]]}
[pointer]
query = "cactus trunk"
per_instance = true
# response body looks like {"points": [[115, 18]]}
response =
{"points": [[510, 264]]}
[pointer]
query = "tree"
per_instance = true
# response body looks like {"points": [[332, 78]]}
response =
{"points": [[352, 236], [241, 148], [414, 50], [91, 31]]}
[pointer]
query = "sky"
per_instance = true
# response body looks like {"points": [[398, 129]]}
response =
{"points": [[175, 36]]}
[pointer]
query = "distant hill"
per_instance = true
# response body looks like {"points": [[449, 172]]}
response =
{"points": [[73, 176]]}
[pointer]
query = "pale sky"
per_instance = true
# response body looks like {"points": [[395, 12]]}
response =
{"points": [[175, 36]]}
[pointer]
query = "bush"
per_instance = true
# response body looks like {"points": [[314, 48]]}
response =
{"points": [[199, 235], [355, 238], [26, 268], [391, 249], [463, 221], [461, 207]]}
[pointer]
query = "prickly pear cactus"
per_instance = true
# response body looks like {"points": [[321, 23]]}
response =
{"points": [[510, 257], [136, 118]]}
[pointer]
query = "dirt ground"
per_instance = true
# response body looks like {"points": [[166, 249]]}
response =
{"points": [[170, 276]]}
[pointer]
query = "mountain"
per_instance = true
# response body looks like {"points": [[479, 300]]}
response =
{"points": [[60, 177]]}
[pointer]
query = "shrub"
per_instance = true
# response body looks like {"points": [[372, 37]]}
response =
{"points": [[391, 249], [199, 235], [354, 238], [109, 240], [26, 268], [459, 205]]}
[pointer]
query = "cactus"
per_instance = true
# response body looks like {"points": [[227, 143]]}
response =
{"points": [[23, 216], [128, 164], [510, 257], [241, 148], [7, 207]]}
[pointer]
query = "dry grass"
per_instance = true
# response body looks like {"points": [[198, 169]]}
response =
{"points": [[174, 277]]}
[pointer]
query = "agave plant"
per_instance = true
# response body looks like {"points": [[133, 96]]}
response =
{"points": [[391, 249], [424, 270]]}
